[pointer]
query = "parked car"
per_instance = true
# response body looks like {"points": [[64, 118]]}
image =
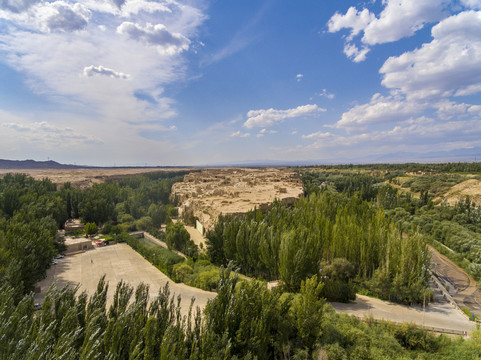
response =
{"points": [[37, 306], [54, 262]]}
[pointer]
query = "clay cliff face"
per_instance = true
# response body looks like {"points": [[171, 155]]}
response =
{"points": [[234, 191]]}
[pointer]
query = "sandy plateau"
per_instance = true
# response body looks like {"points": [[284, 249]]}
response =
{"points": [[209, 193], [84, 177]]}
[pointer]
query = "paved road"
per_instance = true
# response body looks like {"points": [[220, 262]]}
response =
{"points": [[117, 262], [462, 287], [440, 315]]}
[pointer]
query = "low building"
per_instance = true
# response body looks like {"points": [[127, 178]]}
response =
{"points": [[75, 244]]}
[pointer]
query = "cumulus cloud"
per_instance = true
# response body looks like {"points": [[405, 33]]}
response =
{"points": [[299, 77], [171, 43], [100, 70], [240, 134], [353, 19], [449, 65], [354, 53], [270, 117], [67, 18], [401, 19], [398, 19], [47, 16]]}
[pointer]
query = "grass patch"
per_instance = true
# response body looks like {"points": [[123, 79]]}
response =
{"points": [[468, 312]]}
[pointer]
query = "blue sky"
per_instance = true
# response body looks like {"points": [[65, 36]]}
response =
{"points": [[135, 82]]}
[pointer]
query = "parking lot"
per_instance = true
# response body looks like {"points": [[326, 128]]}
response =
{"points": [[117, 262]]}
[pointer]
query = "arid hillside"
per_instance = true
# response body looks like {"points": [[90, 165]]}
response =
{"points": [[471, 187], [211, 192]]}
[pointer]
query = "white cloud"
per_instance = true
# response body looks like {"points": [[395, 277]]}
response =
{"points": [[380, 109], [100, 70], [355, 20], [51, 62], [49, 16], [398, 19], [354, 53], [418, 134], [299, 77], [402, 18], [449, 65], [67, 18], [270, 117], [170, 43], [240, 134]]}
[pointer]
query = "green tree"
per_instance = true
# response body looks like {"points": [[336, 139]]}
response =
{"points": [[177, 236], [91, 228]]}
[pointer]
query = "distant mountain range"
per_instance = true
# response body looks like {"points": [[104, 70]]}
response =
{"points": [[32, 164]]}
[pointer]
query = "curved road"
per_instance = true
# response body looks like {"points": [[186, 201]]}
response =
{"points": [[463, 288]]}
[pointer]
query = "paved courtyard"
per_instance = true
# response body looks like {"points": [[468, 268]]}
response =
{"points": [[117, 262]]}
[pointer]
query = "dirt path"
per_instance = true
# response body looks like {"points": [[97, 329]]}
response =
{"points": [[196, 236], [462, 287], [117, 262]]}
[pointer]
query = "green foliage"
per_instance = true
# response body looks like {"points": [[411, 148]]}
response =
{"points": [[245, 321], [470, 315], [308, 312], [91, 228], [176, 236], [161, 258], [290, 243], [337, 278]]}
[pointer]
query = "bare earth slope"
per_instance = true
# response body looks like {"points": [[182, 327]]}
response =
{"points": [[234, 191], [471, 187]]}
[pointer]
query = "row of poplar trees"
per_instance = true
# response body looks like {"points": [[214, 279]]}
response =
{"points": [[245, 320], [293, 243]]}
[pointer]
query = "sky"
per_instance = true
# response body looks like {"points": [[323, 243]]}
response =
{"points": [[205, 82]]}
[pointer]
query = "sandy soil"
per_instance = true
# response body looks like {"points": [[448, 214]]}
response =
{"points": [[462, 287], [84, 178], [117, 262], [471, 187]]}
